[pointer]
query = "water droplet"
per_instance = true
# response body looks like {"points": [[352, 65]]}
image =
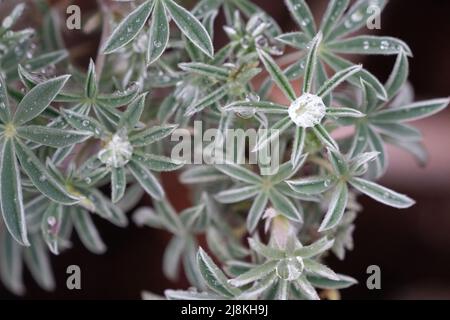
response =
{"points": [[85, 123], [357, 16], [157, 44], [51, 221], [366, 45], [42, 178], [88, 180]]}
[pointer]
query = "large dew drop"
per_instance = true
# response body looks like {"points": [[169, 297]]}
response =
{"points": [[117, 152], [307, 111]]}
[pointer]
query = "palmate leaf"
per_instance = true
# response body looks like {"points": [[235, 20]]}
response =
{"points": [[284, 206], [314, 249], [86, 230], [38, 99], [237, 194], [118, 184], [382, 194], [336, 208], [158, 36], [298, 40], [254, 274], [129, 28], [277, 75], [239, 173], [302, 15], [38, 262], [41, 177], [11, 264], [369, 45], [256, 211], [213, 276], [151, 135], [5, 113], [256, 106], [311, 185], [52, 137], [132, 115], [334, 12], [356, 17], [398, 76], [325, 283], [337, 79], [191, 27], [412, 112], [204, 69], [311, 62], [11, 199], [146, 179], [158, 163]]}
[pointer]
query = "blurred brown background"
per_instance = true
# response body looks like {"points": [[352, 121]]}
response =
{"points": [[411, 247]]}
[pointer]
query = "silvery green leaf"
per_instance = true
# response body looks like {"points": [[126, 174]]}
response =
{"points": [[52, 137], [5, 113], [85, 123], [207, 100], [11, 199], [203, 7], [190, 27], [118, 184], [311, 62], [202, 174], [46, 59], [399, 131], [146, 179], [237, 194], [254, 274], [382, 194], [256, 106], [296, 70], [38, 262], [302, 15], [375, 143], [338, 78], [11, 265], [158, 35], [398, 76], [287, 170], [337, 63], [332, 15], [323, 135], [282, 292], [415, 148], [369, 45], [256, 211], [51, 225], [338, 162], [172, 256], [190, 264], [40, 176], [158, 163], [90, 86], [320, 79], [277, 75], [361, 159], [87, 231], [314, 249], [239, 173], [266, 251], [298, 40], [11, 18], [151, 135], [259, 287], [129, 28], [343, 112], [298, 145], [249, 9], [38, 99], [188, 295], [204, 69], [213, 276], [411, 112], [324, 283], [311, 185], [133, 113], [320, 269], [357, 16], [370, 99], [336, 207], [119, 98], [272, 133], [284, 206], [302, 284]]}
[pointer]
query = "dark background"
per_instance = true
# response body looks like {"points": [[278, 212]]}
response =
{"points": [[411, 247]]}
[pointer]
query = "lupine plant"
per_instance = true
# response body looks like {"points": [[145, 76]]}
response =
{"points": [[80, 142]]}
